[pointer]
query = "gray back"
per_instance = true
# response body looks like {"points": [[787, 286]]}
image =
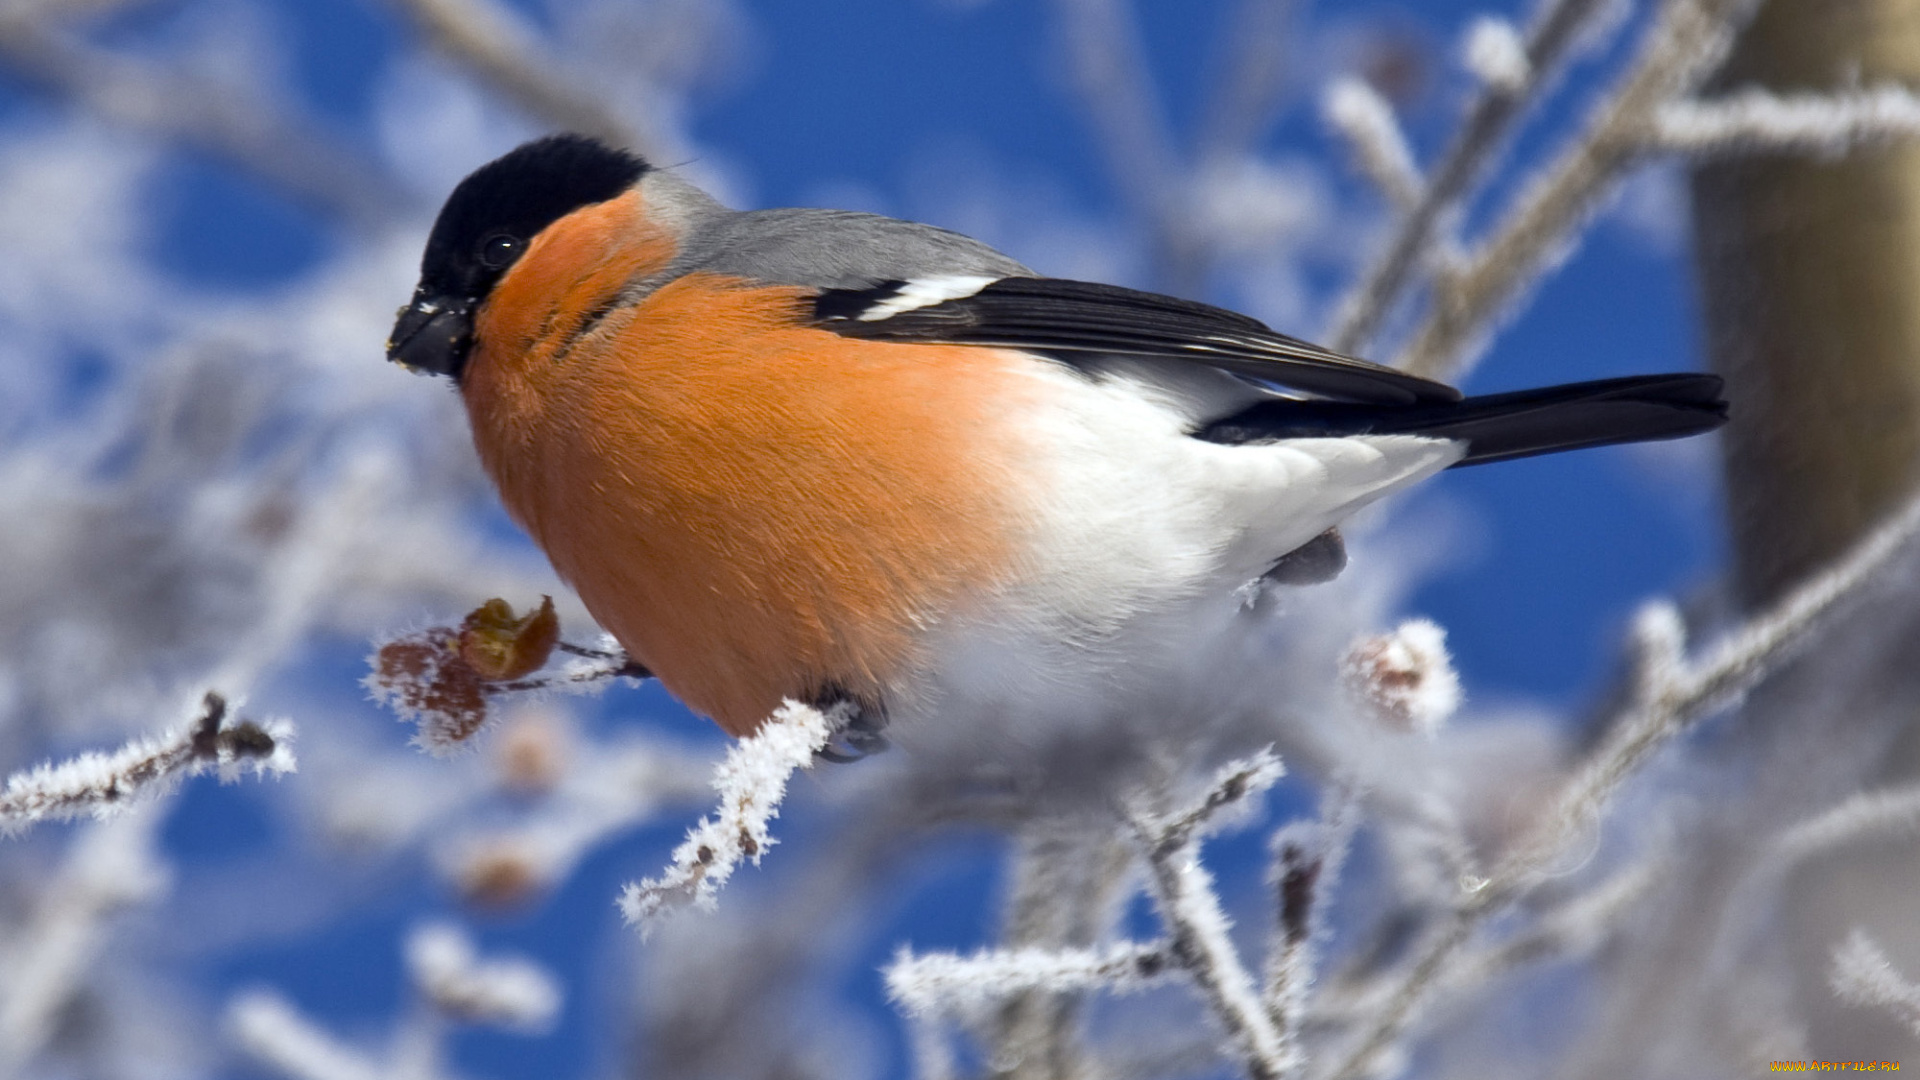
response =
{"points": [[832, 249]]}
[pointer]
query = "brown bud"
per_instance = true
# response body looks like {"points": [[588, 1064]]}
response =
{"points": [[425, 679], [498, 877]]}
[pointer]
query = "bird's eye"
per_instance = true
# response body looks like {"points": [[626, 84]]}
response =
{"points": [[499, 250]]}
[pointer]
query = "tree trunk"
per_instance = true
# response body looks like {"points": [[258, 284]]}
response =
{"points": [[1811, 278]]}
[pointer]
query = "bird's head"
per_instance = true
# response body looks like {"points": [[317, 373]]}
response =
{"points": [[485, 226]]}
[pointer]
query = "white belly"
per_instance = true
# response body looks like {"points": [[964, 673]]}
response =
{"points": [[1141, 541]]}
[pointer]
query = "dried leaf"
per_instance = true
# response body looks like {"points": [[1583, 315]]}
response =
{"points": [[497, 645]]}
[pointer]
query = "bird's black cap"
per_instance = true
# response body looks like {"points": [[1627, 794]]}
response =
{"points": [[486, 223]]}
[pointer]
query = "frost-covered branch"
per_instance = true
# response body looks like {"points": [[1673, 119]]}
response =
{"points": [[271, 1030], [1573, 928], [243, 129], [1307, 860], [1379, 148], [1862, 974], [490, 39], [112, 865], [1069, 879], [1890, 813], [751, 780], [451, 982], [1471, 152], [1893, 812], [946, 983], [1760, 121], [1184, 896], [1684, 42], [448, 973], [1670, 693], [103, 784]]}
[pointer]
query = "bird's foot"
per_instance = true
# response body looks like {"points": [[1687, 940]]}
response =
{"points": [[860, 728]]}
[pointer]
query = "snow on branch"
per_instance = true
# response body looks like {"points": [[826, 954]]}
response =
{"points": [[1185, 898], [452, 983], [1758, 121], [272, 1031], [1494, 51], [1670, 693], [1307, 860], [1863, 975], [103, 784], [511, 993], [1379, 147], [1573, 928], [110, 867], [1468, 156], [1869, 814], [1234, 787], [752, 780], [950, 984]]}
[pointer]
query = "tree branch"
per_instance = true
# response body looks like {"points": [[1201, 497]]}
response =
{"points": [[1670, 695], [102, 784]]}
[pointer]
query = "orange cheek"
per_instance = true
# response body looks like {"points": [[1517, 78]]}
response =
{"points": [[569, 273]]}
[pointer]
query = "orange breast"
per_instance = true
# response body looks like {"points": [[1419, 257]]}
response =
{"points": [[756, 509]]}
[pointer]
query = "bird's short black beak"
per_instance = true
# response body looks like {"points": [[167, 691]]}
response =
{"points": [[432, 335]]}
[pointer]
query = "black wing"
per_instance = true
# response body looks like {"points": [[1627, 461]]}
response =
{"points": [[1072, 319]]}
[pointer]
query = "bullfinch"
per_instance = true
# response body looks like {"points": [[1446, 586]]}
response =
{"points": [[844, 458]]}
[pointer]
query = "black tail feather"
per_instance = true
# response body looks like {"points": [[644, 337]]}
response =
{"points": [[1501, 427]]}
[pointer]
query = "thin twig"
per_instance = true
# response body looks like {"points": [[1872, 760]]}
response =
{"points": [[489, 39], [101, 784], [1471, 153], [1862, 974], [110, 866], [949, 984], [1575, 927], [1684, 43], [1068, 879], [1184, 896], [1307, 861], [1379, 148], [1759, 121], [582, 676], [274, 1032]]}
